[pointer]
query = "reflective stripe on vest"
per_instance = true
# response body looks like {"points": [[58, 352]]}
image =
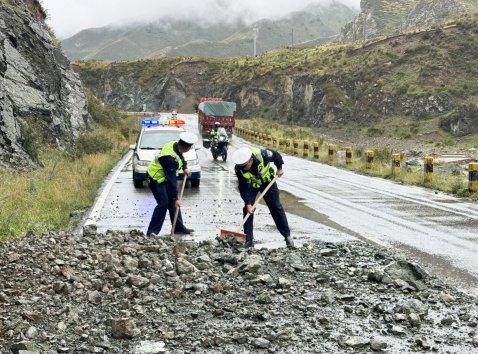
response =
{"points": [[266, 171], [155, 170]]}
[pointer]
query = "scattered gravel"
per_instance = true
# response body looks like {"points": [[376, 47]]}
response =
{"points": [[124, 292]]}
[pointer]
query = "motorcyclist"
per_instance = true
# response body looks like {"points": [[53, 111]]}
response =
{"points": [[217, 131]]}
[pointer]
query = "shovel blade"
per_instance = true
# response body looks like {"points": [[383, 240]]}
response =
{"points": [[240, 236]]}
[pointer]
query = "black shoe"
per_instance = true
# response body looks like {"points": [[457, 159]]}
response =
{"points": [[289, 242], [184, 232], [249, 242]]}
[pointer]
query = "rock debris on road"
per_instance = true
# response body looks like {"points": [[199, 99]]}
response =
{"points": [[124, 292]]}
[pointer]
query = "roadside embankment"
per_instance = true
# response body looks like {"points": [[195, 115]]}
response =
{"points": [[113, 292], [54, 196]]}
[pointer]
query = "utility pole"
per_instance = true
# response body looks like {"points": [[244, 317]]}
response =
{"points": [[256, 34]]}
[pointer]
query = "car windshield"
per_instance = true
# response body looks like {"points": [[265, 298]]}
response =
{"points": [[155, 139]]}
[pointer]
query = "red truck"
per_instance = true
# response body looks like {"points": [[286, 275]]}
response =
{"points": [[212, 110]]}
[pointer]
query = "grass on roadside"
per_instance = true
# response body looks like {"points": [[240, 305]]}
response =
{"points": [[444, 181], [44, 199]]}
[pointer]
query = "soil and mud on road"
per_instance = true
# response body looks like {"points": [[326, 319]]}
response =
{"points": [[397, 286]]}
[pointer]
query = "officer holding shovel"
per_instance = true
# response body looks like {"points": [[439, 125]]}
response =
{"points": [[163, 182], [254, 171]]}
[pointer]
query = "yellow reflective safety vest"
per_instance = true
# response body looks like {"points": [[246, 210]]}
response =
{"points": [[266, 172], [155, 170]]}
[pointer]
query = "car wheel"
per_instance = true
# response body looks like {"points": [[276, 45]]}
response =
{"points": [[195, 183], [138, 183]]}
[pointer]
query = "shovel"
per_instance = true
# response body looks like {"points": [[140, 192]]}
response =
{"points": [[240, 236], [176, 214]]}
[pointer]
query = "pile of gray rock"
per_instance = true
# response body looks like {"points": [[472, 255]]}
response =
{"points": [[124, 292]]}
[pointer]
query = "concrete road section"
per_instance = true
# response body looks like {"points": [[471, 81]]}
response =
{"points": [[322, 203]]}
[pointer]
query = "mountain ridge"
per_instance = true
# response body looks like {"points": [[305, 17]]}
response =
{"points": [[181, 37]]}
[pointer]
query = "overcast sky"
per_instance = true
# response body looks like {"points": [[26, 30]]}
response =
{"points": [[68, 17]]}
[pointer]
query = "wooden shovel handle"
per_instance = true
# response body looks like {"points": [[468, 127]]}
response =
{"points": [[176, 214], [260, 198]]}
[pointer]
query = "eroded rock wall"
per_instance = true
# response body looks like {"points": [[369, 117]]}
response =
{"points": [[38, 89]]}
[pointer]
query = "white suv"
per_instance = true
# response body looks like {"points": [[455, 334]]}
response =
{"points": [[150, 141]]}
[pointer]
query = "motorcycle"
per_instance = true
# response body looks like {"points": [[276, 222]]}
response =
{"points": [[219, 146]]}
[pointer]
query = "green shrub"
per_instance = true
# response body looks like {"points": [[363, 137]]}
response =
{"points": [[383, 154], [102, 114], [32, 140], [374, 131], [93, 143]]}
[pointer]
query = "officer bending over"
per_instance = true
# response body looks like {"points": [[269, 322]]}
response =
{"points": [[254, 172]]}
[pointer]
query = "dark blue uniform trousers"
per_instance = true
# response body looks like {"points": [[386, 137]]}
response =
{"points": [[165, 203], [275, 207]]}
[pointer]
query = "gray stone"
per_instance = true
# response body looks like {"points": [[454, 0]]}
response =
{"points": [[261, 343], [284, 283], [24, 345], [94, 297], [251, 264], [414, 319], [327, 252], [423, 342], [327, 297], [378, 344], [264, 298], [447, 298], [357, 342], [405, 271], [183, 266], [90, 230], [447, 321], [375, 276], [32, 332], [149, 347], [346, 297], [398, 330], [138, 281], [263, 279], [123, 328], [295, 262]]}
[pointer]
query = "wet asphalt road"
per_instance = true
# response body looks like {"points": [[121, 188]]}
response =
{"points": [[322, 203]]}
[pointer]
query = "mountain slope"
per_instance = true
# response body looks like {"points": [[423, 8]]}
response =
{"points": [[428, 75], [386, 17], [41, 98], [191, 38]]}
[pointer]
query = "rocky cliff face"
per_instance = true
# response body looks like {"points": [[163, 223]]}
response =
{"points": [[387, 17], [39, 92]]}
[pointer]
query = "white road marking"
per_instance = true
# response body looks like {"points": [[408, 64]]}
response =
{"points": [[100, 200]]}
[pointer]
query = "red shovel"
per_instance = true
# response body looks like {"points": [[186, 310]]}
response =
{"points": [[238, 235]]}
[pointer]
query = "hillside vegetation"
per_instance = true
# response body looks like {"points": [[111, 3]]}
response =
{"points": [[419, 76]]}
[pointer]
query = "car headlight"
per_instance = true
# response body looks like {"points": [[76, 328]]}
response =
{"points": [[138, 162]]}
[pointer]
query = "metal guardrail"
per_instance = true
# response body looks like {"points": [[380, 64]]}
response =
{"points": [[293, 147]]}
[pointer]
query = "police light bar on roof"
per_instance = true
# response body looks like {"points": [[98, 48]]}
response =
{"points": [[150, 122]]}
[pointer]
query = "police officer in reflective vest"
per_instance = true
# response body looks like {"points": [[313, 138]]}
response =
{"points": [[254, 171], [163, 182]]}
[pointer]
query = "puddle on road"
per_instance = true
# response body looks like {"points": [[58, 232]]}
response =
{"points": [[293, 205]]}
